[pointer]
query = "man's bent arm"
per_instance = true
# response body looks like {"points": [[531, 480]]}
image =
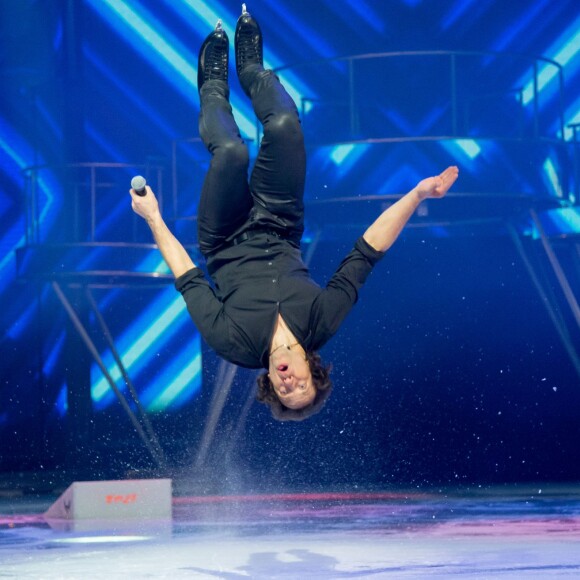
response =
{"points": [[173, 252], [386, 228]]}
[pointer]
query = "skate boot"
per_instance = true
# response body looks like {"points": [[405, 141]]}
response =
{"points": [[213, 57], [248, 42]]}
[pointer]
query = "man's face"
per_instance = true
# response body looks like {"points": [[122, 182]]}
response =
{"points": [[291, 378]]}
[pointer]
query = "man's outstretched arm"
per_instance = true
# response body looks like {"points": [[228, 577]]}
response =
{"points": [[386, 228], [171, 249]]}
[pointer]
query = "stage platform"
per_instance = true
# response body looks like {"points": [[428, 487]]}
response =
{"points": [[508, 532]]}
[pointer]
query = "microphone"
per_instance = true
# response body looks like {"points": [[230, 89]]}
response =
{"points": [[138, 184]]}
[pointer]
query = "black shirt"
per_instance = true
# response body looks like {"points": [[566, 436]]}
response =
{"points": [[264, 276]]}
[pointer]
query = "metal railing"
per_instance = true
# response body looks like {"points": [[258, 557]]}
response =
{"points": [[455, 62], [81, 183], [575, 127]]}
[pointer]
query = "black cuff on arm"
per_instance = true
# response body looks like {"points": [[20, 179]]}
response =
{"points": [[185, 281], [372, 255]]}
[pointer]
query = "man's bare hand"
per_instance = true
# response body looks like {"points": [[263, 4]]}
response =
{"points": [[437, 186], [145, 206]]}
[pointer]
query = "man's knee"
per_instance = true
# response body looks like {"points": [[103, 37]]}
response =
{"points": [[232, 155], [285, 125]]}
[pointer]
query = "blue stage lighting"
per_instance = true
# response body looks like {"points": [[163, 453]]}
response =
{"points": [[563, 51], [11, 239], [49, 119], [559, 222], [552, 177], [156, 121], [466, 149], [398, 179], [153, 329], [8, 149], [204, 11], [25, 318], [340, 153], [347, 155], [153, 264], [519, 27], [180, 381], [572, 116], [367, 12], [14, 153], [205, 15], [61, 403], [52, 357], [469, 147], [149, 37], [156, 43], [460, 7]]}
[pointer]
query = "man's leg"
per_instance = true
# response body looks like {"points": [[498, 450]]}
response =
{"points": [[277, 181], [225, 199]]}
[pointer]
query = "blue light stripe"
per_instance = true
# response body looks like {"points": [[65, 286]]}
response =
{"points": [[108, 149], [61, 402], [53, 355], [161, 47], [519, 27], [369, 15], [339, 153], [405, 173], [49, 212], [13, 239], [139, 32], [572, 116], [558, 222], [420, 127], [25, 318], [311, 41], [460, 7], [203, 11], [469, 147], [185, 373], [5, 146], [552, 178], [50, 121], [45, 182], [545, 75], [141, 341], [148, 112], [153, 263], [345, 156], [566, 47], [569, 219], [15, 151]]}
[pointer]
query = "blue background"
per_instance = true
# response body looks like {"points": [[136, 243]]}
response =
{"points": [[449, 369]]}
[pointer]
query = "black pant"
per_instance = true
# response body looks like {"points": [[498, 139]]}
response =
{"points": [[273, 197]]}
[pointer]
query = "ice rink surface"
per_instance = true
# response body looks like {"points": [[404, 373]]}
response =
{"points": [[485, 535]]}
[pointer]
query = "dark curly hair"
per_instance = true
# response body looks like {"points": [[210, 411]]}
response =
{"points": [[321, 380]]}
